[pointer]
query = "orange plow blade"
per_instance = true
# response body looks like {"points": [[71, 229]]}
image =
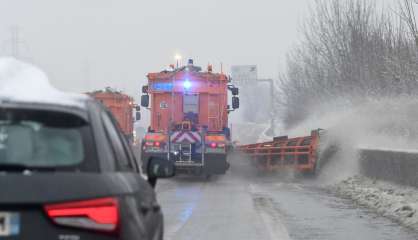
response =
{"points": [[300, 153]]}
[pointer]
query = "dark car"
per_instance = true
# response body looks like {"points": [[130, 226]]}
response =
{"points": [[67, 173]]}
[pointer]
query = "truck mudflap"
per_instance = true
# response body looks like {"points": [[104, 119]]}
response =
{"points": [[215, 164]]}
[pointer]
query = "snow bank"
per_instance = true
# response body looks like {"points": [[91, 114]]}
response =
{"points": [[396, 202], [24, 82]]}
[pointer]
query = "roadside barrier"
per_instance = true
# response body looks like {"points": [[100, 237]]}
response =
{"points": [[397, 166]]}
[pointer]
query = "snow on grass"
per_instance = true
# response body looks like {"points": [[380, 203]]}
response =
{"points": [[23, 82], [399, 203]]}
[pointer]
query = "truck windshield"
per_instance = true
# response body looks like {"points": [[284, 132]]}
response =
{"points": [[36, 138]]}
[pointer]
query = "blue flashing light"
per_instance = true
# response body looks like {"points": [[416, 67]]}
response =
{"points": [[187, 84], [162, 86]]}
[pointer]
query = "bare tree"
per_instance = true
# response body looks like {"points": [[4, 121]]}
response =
{"points": [[407, 13], [350, 52]]}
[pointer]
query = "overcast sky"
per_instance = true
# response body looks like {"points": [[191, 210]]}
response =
{"points": [[90, 44]]}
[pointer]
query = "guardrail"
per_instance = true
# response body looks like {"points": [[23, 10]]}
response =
{"points": [[399, 166]]}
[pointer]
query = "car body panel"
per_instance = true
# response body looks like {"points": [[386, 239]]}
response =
{"points": [[28, 191]]}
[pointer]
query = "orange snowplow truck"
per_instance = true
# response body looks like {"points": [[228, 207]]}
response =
{"points": [[122, 108], [189, 119]]}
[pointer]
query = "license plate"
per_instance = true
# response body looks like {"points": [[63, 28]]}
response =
{"points": [[9, 224]]}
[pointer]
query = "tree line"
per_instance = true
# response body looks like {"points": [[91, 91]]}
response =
{"points": [[351, 52]]}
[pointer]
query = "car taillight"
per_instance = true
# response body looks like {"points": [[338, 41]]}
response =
{"points": [[97, 214]]}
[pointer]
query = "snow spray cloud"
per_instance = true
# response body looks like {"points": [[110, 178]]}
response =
{"points": [[381, 123]]}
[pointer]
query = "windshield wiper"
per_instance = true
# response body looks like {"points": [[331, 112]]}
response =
{"points": [[16, 167]]}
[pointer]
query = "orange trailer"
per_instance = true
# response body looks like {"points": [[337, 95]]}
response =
{"points": [[189, 118]]}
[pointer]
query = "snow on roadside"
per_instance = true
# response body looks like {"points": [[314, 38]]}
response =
{"points": [[399, 203], [23, 82]]}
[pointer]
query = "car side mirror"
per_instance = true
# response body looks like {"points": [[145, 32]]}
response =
{"points": [[235, 102], [159, 168], [145, 100]]}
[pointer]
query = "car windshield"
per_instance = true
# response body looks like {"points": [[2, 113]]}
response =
{"points": [[36, 138]]}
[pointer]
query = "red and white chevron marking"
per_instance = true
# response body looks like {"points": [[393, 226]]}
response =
{"points": [[190, 137]]}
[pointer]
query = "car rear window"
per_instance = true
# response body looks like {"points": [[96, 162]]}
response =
{"points": [[39, 138]]}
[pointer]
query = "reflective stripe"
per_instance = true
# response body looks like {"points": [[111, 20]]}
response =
{"points": [[190, 137]]}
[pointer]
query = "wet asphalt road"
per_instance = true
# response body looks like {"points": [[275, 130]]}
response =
{"points": [[244, 205]]}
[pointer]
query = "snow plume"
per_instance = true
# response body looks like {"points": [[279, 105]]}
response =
{"points": [[23, 82], [379, 123], [384, 123]]}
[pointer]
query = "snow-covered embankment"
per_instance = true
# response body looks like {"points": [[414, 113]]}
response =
{"points": [[399, 203]]}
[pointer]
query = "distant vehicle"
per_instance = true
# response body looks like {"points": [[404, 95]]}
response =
{"points": [[189, 119], [122, 107], [67, 172]]}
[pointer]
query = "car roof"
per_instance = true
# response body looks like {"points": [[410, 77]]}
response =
{"points": [[79, 109], [57, 98]]}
